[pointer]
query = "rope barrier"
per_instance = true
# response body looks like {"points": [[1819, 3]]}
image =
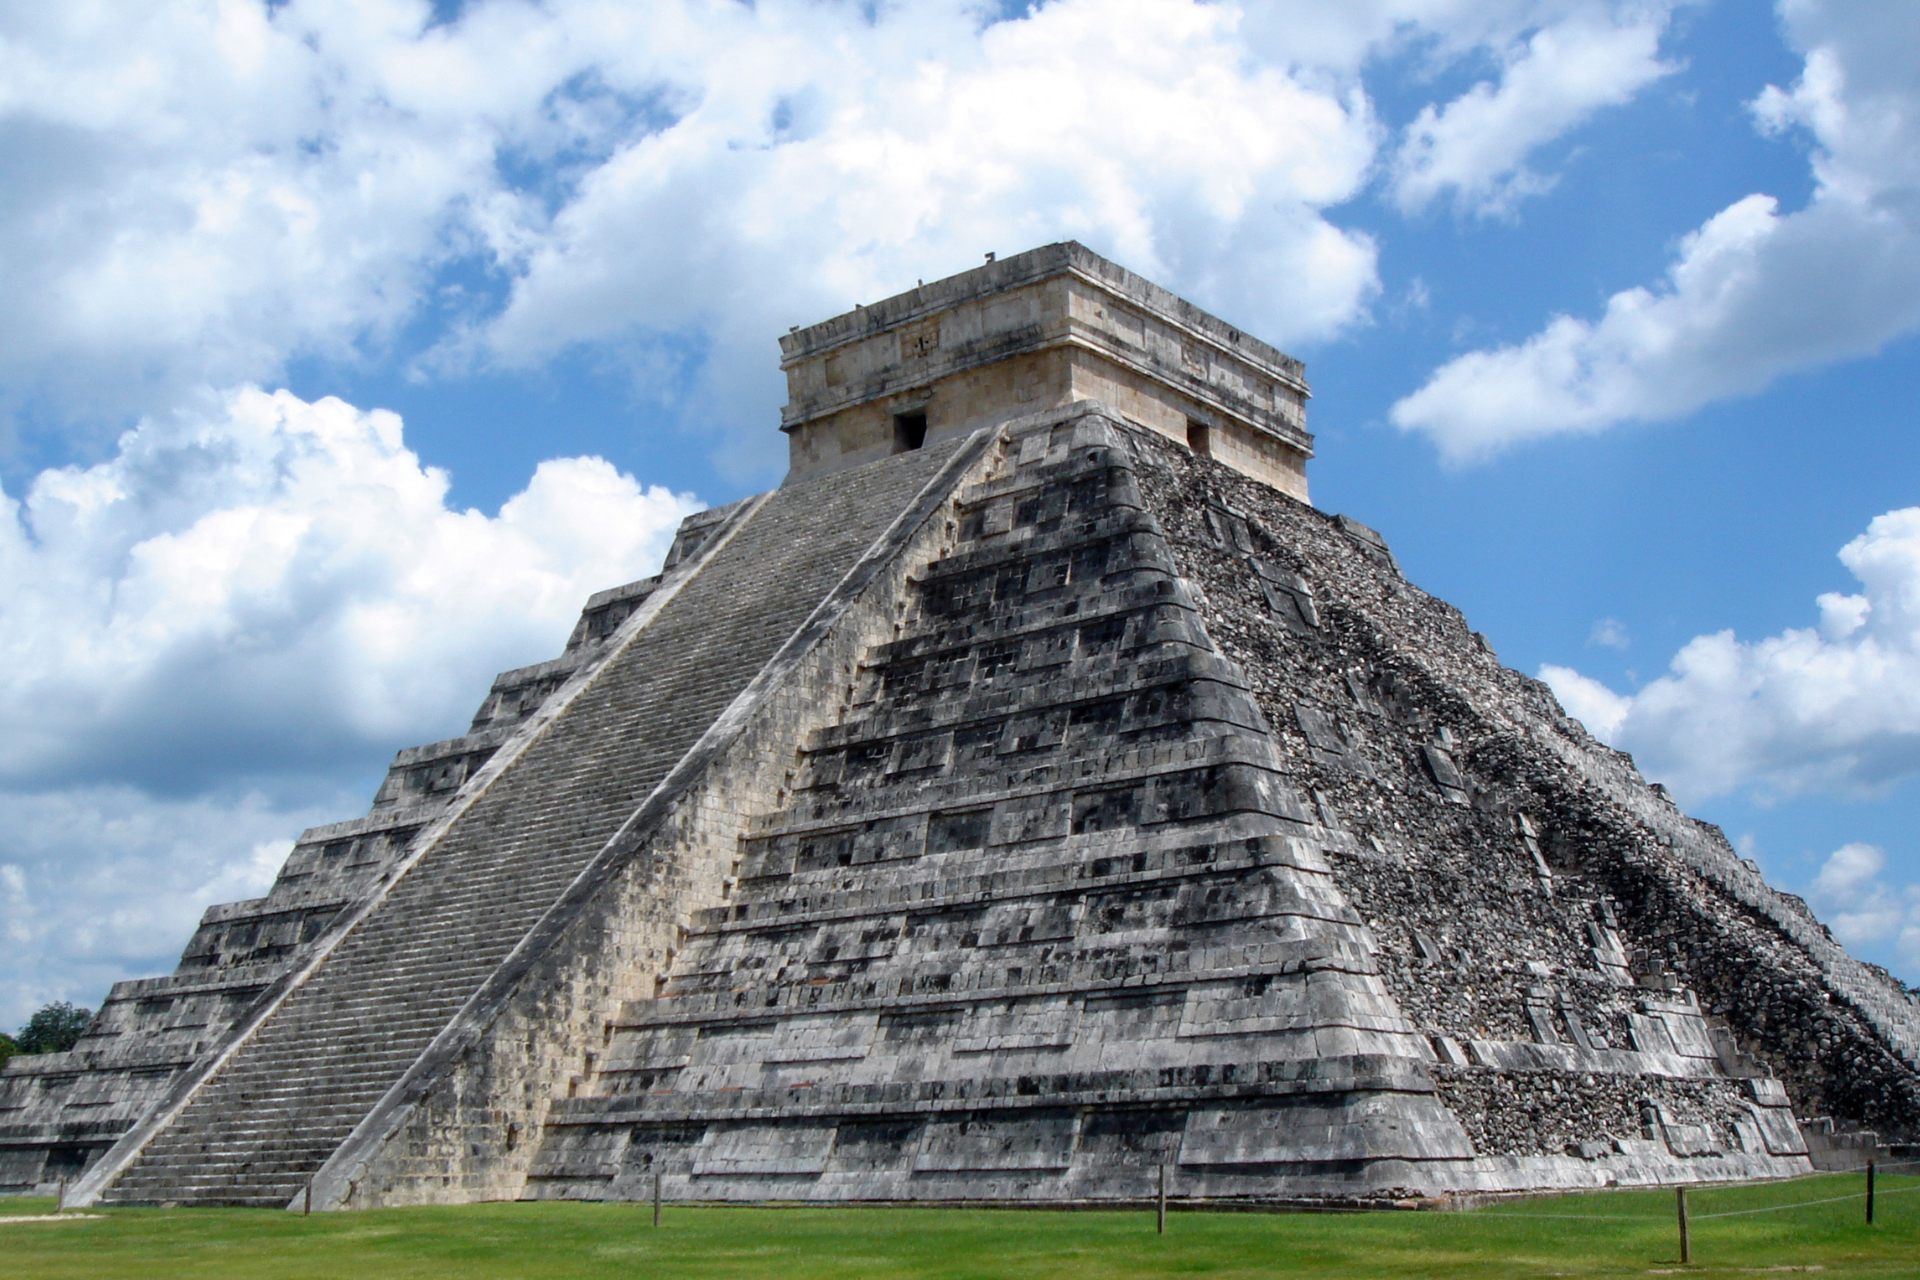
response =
{"points": [[1782, 1208], [1883, 1165], [1726, 1213], [1588, 1217]]}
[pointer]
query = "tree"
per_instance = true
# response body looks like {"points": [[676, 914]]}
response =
{"points": [[54, 1028], [7, 1048]]}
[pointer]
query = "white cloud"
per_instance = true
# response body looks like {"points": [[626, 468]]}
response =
{"points": [[212, 638], [1835, 708], [1610, 633], [1475, 147], [198, 191], [1864, 910], [826, 164], [1599, 708], [1754, 293], [267, 584], [103, 883]]}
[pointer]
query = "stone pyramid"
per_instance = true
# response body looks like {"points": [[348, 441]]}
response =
{"points": [[1033, 792]]}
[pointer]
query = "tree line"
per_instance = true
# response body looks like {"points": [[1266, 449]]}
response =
{"points": [[53, 1028]]}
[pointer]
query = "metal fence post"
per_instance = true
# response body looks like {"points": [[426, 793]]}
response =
{"points": [[1869, 1193], [1163, 1199], [1686, 1246], [656, 1197]]}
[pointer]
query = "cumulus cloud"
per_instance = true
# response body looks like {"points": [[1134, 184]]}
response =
{"points": [[267, 584], [827, 163], [1754, 292], [1475, 147], [200, 191], [211, 635], [1594, 705], [196, 193], [1834, 707], [1610, 633], [101, 883], [1862, 909]]}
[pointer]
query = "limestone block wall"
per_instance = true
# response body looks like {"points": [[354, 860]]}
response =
{"points": [[920, 338], [1102, 868], [954, 406], [1045, 328], [256, 1116], [197, 1143], [1145, 401], [60, 1112], [1540, 908], [519, 693], [472, 1127], [1111, 810], [1044, 913]]}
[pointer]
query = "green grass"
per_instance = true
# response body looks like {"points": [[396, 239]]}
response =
{"points": [[1609, 1234]]}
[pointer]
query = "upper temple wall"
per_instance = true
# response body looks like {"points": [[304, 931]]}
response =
{"points": [[1038, 331]]}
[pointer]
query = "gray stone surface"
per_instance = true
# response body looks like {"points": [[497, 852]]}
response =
{"points": [[1553, 897], [997, 821], [288, 1092], [1056, 903], [1034, 333], [60, 1112], [1043, 913]]}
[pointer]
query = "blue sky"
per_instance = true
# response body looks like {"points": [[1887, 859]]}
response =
{"points": [[351, 345]]}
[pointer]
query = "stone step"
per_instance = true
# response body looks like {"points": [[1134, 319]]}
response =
{"points": [[289, 1095]]}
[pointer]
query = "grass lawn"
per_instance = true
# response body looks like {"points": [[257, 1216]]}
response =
{"points": [[1609, 1234]]}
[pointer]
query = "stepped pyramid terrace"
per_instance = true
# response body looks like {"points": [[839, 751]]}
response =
{"points": [[1035, 791]]}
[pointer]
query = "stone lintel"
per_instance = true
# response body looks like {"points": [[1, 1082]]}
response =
{"points": [[1038, 331]]}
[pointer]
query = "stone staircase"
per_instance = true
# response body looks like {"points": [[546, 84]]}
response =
{"points": [[1044, 913], [60, 1112], [256, 1130], [1837, 1150]]}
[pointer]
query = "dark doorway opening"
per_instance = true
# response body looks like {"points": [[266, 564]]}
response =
{"points": [[1200, 438], [66, 1164], [909, 431]]}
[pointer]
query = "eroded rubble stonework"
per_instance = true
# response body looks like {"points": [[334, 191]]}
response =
{"points": [[1000, 820]]}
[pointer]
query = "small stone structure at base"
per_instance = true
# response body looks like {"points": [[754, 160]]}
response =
{"points": [[1043, 800]]}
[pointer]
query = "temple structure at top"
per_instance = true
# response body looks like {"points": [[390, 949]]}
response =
{"points": [[1039, 331]]}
